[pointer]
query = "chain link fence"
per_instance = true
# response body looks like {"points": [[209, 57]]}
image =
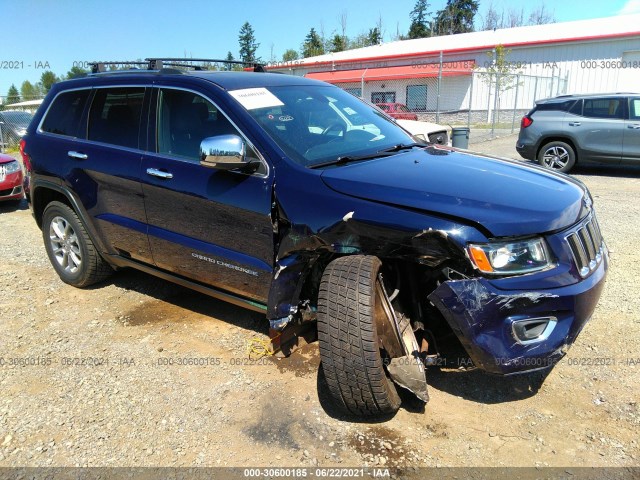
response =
{"points": [[454, 93], [15, 117]]}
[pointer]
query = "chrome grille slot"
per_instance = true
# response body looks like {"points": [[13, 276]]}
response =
{"points": [[586, 246]]}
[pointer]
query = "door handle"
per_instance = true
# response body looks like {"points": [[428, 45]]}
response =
{"points": [[154, 172], [634, 127], [77, 155], [574, 124]]}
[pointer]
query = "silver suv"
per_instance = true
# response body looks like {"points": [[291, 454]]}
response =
{"points": [[562, 131]]}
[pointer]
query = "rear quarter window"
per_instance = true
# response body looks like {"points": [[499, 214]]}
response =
{"points": [[65, 113]]}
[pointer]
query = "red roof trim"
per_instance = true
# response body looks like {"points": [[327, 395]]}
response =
{"points": [[449, 69], [461, 50]]}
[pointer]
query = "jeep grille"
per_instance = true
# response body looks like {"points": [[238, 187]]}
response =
{"points": [[587, 246]]}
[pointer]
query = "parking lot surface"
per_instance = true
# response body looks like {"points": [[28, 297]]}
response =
{"points": [[140, 372]]}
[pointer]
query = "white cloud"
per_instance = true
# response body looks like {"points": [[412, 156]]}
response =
{"points": [[632, 6]]}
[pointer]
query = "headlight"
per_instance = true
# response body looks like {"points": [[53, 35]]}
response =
{"points": [[12, 167], [510, 257]]}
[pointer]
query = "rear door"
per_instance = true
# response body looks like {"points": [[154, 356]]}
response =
{"points": [[631, 147], [104, 168], [209, 225], [600, 132]]}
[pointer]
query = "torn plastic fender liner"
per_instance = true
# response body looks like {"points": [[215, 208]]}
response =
{"points": [[481, 316]]}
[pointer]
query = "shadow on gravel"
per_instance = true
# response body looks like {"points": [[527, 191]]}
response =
{"points": [[167, 299], [8, 206], [630, 171], [482, 387]]}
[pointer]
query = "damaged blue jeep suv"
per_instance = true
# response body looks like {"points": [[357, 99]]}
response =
{"points": [[293, 198]]}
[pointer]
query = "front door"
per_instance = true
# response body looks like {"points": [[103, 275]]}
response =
{"points": [[209, 225], [631, 147]]}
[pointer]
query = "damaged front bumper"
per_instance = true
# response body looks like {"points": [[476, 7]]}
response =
{"points": [[487, 320]]}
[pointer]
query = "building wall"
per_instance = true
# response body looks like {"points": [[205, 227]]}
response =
{"points": [[547, 70]]}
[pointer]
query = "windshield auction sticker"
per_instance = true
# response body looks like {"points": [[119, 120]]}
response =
{"points": [[253, 98]]}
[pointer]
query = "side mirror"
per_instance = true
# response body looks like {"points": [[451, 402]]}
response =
{"points": [[226, 152]]}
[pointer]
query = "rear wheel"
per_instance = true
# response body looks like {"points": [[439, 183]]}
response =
{"points": [[349, 302], [70, 249], [558, 156]]}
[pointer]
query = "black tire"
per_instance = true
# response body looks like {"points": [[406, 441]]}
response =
{"points": [[70, 250], [349, 347], [557, 156]]}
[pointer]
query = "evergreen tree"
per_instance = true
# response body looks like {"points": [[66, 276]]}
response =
{"points": [[456, 17], [248, 44], [13, 95], [419, 27], [29, 91], [47, 79], [338, 43], [312, 45]]}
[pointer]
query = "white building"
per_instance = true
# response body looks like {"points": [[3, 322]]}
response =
{"points": [[599, 55]]}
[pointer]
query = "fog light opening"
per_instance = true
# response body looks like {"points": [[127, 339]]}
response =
{"points": [[533, 330]]}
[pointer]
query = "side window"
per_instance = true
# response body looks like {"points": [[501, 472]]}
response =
{"points": [[603, 108], [115, 116], [634, 108], [184, 120], [576, 108], [63, 118]]}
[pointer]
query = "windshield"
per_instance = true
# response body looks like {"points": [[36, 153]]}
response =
{"points": [[17, 117], [318, 124]]}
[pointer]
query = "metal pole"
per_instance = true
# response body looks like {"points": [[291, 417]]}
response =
{"points": [[438, 97], [473, 77], [515, 103], [535, 90], [1, 137], [496, 104], [489, 99], [362, 83]]}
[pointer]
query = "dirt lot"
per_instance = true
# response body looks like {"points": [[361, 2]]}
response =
{"points": [[122, 404]]}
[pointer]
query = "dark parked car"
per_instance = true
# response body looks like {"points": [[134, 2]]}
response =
{"points": [[353, 234], [10, 179], [13, 125], [397, 110], [567, 130]]}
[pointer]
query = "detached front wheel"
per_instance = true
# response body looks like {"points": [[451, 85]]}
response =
{"points": [[349, 301], [70, 249]]}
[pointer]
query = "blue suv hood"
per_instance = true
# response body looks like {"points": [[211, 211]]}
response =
{"points": [[506, 198]]}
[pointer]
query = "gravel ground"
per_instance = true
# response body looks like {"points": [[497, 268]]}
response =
{"points": [[92, 377]]}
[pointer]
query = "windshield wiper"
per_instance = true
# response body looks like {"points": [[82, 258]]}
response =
{"points": [[380, 153], [403, 146]]}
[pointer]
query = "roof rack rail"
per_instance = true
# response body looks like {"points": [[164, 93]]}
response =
{"points": [[157, 63], [101, 67], [161, 64]]}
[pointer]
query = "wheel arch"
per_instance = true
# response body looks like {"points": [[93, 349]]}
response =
{"points": [[44, 192]]}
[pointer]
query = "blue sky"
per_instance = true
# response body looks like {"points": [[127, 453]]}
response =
{"points": [[56, 34]]}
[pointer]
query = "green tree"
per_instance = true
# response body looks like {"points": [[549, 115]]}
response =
{"points": [[501, 75], [229, 58], [13, 95], [29, 91], [374, 37], [290, 55], [338, 43], [419, 27], [76, 72], [456, 17], [312, 45], [248, 44], [47, 79]]}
